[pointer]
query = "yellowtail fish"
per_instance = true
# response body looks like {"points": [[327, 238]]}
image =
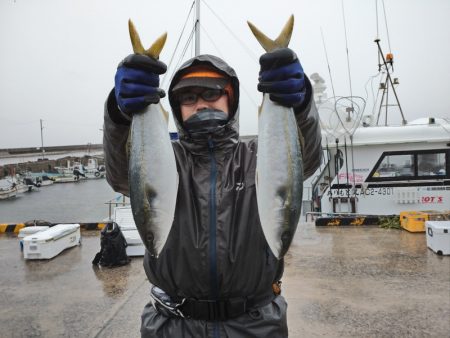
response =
{"points": [[279, 166], [152, 176]]}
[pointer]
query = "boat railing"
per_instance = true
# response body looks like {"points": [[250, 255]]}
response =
{"points": [[120, 201], [316, 214]]}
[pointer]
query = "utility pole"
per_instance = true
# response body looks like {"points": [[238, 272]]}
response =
{"points": [[42, 141]]}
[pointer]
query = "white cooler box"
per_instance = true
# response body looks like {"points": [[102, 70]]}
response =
{"points": [[49, 243], [24, 232], [438, 236]]}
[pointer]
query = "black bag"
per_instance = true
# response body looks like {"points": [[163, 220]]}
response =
{"points": [[112, 247]]}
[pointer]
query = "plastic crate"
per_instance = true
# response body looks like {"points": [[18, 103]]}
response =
{"points": [[413, 221]]}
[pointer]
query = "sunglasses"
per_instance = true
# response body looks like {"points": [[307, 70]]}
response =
{"points": [[191, 98]]}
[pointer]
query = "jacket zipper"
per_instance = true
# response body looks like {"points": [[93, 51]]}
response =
{"points": [[212, 222], [212, 230]]}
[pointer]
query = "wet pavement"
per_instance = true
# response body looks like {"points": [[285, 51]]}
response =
{"points": [[339, 282]]}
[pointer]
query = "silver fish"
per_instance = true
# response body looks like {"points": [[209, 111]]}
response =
{"points": [[153, 175], [279, 166]]}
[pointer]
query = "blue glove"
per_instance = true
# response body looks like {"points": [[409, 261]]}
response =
{"points": [[137, 83], [282, 77]]}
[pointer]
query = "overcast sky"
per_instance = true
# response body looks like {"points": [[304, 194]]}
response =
{"points": [[58, 57]]}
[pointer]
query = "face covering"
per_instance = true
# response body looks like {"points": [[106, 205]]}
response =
{"points": [[206, 121]]}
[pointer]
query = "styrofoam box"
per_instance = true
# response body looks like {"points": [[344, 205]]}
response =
{"points": [[438, 236], [135, 246], [49, 243]]}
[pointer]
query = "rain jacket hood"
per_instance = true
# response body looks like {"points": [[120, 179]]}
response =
{"points": [[228, 135]]}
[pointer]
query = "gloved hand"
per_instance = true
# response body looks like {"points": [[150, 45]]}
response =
{"points": [[137, 83], [282, 76]]}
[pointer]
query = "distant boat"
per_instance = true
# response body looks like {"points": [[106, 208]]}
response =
{"points": [[79, 171], [7, 193]]}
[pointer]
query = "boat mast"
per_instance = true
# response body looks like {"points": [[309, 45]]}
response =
{"points": [[197, 27], [42, 140]]}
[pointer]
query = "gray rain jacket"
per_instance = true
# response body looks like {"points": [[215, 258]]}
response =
{"points": [[216, 248]]}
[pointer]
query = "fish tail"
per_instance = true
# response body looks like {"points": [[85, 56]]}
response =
{"points": [[138, 48], [281, 41]]}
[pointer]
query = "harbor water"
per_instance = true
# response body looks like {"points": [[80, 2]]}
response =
{"points": [[83, 201]]}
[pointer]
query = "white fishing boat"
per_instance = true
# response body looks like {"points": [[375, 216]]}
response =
{"points": [[93, 169], [7, 193], [44, 180], [78, 171], [383, 170], [373, 167]]}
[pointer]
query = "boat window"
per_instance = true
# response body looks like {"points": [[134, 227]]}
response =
{"points": [[412, 165], [431, 164], [395, 165]]}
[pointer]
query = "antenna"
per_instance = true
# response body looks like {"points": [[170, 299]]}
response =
{"points": [[385, 86], [351, 109]]}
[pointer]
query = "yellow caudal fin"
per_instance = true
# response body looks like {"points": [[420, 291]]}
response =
{"points": [[281, 41], [138, 48]]}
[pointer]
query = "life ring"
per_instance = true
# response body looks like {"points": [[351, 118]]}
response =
{"points": [[97, 174]]}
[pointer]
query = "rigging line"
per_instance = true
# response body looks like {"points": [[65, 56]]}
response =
{"points": [[387, 30], [186, 46], [211, 40], [178, 43], [346, 48], [241, 86], [244, 46], [328, 63]]}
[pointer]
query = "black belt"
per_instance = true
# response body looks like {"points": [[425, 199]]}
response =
{"points": [[212, 310], [221, 309]]}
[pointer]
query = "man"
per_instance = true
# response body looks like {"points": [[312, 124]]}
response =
{"points": [[216, 275]]}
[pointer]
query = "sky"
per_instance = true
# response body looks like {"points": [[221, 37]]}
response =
{"points": [[58, 57]]}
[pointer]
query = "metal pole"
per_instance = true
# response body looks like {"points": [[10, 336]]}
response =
{"points": [[377, 41], [42, 140], [197, 27]]}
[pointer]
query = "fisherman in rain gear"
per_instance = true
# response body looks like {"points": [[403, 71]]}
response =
{"points": [[216, 275]]}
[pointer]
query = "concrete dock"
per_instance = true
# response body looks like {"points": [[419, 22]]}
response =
{"points": [[339, 282]]}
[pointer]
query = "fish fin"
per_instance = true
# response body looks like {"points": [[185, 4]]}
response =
{"points": [[135, 39], [157, 47], [281, 41], [138, 48]]}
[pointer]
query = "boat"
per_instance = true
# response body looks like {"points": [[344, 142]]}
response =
{"points": [[380, 169], [384, 170], [93, 169], [7, 193], [77, 171], [44, 180]]}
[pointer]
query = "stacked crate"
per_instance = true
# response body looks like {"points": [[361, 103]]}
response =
{"points": [[414, 221]]}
